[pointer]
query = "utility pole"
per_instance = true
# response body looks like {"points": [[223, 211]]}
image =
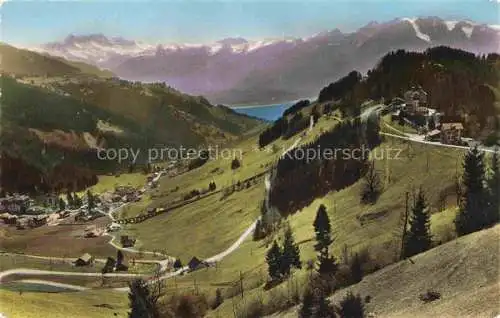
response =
{"points": [[241, 284], [387, 171], [403, 236], [427, 158]]}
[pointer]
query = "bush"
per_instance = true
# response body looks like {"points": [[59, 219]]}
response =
{"points": [[212, 186], [351, 306], [203, 157], [430, 295], [254, 309], [235, 164], [187, 306], [177, 264]]}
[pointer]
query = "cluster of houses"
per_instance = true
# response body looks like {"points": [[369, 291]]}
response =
{"points": [[122, 194], [434, 125], [88, 260], [25, 212], [24, 204]]}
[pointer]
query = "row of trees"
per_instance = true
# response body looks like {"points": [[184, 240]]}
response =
{"points": [[285, 128], [316, 304], [298, 106], [278, 128], [479, 204], [74, 201], [282, 259]]}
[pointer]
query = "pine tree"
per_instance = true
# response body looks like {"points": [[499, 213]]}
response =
{"points": [[327, 264], [418, 238], [372, 132], [90, 200], [219, 299], [291, 253], [259, 232], [273, 259], [356, 268], [471, 216], [77, 200], [70, 199], [307, 308], [141, 303], [323, 307], [119, 258], [62, 204], [494, 189], [351, 306], [108, 266], [177, 263], [322, 228]]}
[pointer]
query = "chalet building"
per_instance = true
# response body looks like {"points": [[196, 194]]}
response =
{"points": [[451, 133], [127, 241], [84, 260], [415, 99], [8, 219], [48, 200]]}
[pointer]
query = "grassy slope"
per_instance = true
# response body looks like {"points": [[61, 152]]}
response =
{"points": [[190, 231], [377, 234], [63, 305], [464, 271], [108, 183], [27, 63]]}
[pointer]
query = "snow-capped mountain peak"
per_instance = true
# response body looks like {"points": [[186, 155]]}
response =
{"points": [[115, 52], [416, 27]]}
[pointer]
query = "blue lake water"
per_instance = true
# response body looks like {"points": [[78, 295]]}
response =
{"points": [[267, 112]]}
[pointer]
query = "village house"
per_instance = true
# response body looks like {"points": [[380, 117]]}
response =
{"points": [[127, 241], [415, 100], [8, 219], [48, 200], [113, 227], [451, 133], [17, 204], [84, 260]]}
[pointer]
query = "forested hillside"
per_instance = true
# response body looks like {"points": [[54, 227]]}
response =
{"points": [[56, 115], [458, 83]]}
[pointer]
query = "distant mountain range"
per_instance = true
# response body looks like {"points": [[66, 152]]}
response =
{"points": [[236, 71]]}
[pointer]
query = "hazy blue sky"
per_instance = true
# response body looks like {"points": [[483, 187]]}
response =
{"points": [[31, 22]]}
